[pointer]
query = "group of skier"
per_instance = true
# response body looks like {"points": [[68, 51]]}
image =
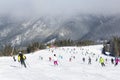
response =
{"points": [[99, 59], [102, 61], [22, 58]]}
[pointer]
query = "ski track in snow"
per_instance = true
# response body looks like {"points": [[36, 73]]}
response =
{"points": [[75, 70]]}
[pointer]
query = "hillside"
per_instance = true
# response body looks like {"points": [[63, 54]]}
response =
{"points": [[45, 28], [106, 30], [38, 69]]}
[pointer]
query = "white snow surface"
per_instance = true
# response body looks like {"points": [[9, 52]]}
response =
{"points": [[38, 69]]}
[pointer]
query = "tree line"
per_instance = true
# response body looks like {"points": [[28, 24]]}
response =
{"points": [[8, 50]]}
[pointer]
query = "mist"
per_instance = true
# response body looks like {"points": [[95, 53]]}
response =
{"points": [[59, 7]]}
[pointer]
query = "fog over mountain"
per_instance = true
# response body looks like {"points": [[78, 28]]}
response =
{"points": [[23, 21], [55, 7]]}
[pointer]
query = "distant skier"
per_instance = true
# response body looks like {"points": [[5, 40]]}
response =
{"points": [[70, 59], [52, 51], [73, 57], [40, 57], [83, 59], [96, 59], [112, 60], [50, 58], [21, 59], [116, 61], [101, 60], [89, 60], [106, 60], [55, 60], [60, 56], [14, 58]]}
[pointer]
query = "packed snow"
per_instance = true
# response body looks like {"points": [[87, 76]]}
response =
{"points": [[40, 68]]}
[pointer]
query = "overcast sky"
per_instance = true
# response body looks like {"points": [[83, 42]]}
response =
{"points": [[59, 6]]}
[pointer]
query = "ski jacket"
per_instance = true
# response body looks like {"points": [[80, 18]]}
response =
{"points": [[116, 60], [102, 60], [21, 57]]}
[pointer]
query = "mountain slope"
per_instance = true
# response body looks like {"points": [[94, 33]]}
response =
{"points": [[46, 28], [106, 30], [38, 69]]}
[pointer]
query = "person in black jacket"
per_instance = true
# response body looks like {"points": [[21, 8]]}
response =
{"points": [[21, 59]]}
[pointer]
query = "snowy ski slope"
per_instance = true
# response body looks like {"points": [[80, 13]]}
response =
{"points": [[38, 69]]}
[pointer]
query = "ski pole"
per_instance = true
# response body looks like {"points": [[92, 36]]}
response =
{"points": [[27, 63]]}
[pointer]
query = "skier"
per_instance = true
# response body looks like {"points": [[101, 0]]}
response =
{"points": [[14, 58], [112, 60], [21, 59], [106, 60], [96, 59], [50, 58], [102, 61], [89, 60], [40, 57], [60, 56], [116, 61], [83, 59], [73, 57], [55, 60], [70, 59]]}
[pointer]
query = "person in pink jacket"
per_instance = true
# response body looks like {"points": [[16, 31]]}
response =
{"points": [[55, 60], [116, 61]]}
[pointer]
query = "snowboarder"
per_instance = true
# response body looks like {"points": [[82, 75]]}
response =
{"points": [[55, 60], [102, 61], [21, 59]]}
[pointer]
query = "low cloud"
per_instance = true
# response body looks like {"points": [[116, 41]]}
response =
{"points": [[53, 7]]}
